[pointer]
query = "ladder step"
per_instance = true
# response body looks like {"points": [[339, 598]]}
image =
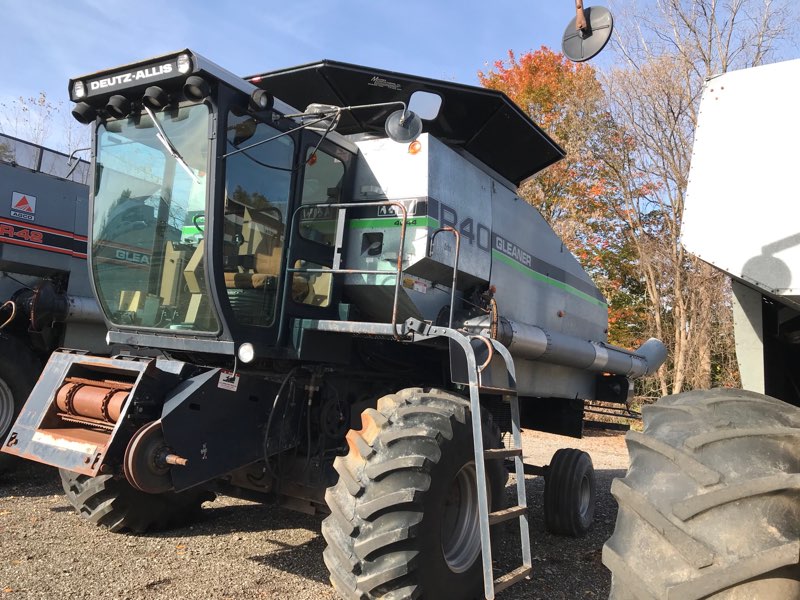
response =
{"points": [[501, 453], [511, 578], [507, 513], [485, 389]]}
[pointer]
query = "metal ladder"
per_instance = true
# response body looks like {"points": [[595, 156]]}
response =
{"points": [[474, 371], [491, 585]]}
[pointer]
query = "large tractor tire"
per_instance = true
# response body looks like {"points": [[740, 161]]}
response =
{"points": [[404, 513], [19, 370], [113, 503], [710, 507]]}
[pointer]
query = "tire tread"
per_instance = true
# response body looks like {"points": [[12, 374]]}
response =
{"points": [[373, 554], [727, 461], [114, 504]]}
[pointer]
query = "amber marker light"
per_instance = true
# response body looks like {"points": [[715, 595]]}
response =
{"points": [[415, 147]]}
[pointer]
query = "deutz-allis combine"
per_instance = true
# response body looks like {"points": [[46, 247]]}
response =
{"points": [[319, 289]]}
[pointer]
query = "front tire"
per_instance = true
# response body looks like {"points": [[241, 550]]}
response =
{"points": [[113, 503], [709, 507], [404, 516]]}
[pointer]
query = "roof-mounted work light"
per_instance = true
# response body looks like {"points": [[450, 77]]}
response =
{"points": [[196, 88], [84, 113], [261, 100], [155, 97], [184, 63], [118, 106], [79, 90]]}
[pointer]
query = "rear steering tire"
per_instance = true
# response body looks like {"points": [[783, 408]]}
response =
{"points": [[115, 504], [404, 514], [709, 507], [569, 493]]}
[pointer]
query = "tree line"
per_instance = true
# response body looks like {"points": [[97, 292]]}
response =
{"points": [[618, 198]]}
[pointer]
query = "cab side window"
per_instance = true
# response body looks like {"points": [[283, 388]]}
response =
{"points": [[323, 175], [322, 184], [257, 188]]}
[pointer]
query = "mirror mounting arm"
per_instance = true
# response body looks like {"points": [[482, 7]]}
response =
{"points": [[335, 112], [580, 16]]}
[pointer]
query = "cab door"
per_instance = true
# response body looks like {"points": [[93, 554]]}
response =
{"points": [[251, 227], [324, 179]]}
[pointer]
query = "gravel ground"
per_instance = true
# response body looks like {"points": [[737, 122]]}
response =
{"points": [[245, 550]]}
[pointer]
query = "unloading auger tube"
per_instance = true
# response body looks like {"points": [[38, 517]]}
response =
{"points": [[536, 343]]}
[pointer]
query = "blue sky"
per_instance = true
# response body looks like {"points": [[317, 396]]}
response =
{"points": [[48, 41]]}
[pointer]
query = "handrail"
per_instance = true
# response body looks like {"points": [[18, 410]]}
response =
{"points": [[34, 155], [335, 270], [455, 266]]}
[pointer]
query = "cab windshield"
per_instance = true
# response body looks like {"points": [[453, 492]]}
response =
{"points": [[149, 215]]}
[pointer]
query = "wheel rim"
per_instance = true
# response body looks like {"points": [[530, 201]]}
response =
{"points": [[461, 541], [585, 497], [6, 409]]}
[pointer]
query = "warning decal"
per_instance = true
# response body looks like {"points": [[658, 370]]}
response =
{"points": [[228, 381], [23, 206]]}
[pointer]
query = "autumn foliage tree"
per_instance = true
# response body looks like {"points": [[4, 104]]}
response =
{"points": [[575, 195], [618, 198]]}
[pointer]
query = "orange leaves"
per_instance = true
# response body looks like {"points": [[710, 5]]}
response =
{"points": [[542, 79], [581, 197]]}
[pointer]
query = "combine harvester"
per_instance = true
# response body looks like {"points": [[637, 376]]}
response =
{"points": [[326, 300], [45, 297]]}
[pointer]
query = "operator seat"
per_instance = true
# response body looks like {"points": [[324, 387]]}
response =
{"points": [[253, 245], [253, 237]]}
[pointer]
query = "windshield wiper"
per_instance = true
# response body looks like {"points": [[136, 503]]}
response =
{"points": [[167, 143]]}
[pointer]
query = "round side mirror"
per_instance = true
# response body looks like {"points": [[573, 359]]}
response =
{"points": [[403, 126], [585, 39]]}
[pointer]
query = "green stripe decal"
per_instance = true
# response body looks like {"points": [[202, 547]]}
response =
{"points": [[497, 255], [188, 230], [389, 222]]}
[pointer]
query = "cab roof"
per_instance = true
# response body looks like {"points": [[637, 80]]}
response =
{"points": [[483, 122]]}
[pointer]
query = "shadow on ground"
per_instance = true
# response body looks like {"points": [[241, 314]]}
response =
{"points": [[565, 568], [27, 479], [304, 560]]}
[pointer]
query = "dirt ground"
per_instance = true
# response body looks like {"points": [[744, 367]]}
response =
{"points": [[244, 550]]}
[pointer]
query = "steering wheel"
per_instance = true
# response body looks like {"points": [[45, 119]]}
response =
{"points": [[196, 218]]}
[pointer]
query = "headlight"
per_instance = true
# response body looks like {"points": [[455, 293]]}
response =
{"points": [[246, 352], [78, 90], [184, 63]]}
